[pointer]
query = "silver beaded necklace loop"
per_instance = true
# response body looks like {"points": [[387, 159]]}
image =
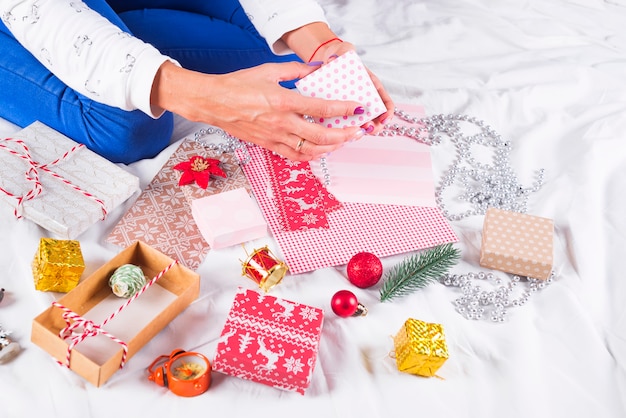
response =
{"points": [[482, 185], [225, 144]]}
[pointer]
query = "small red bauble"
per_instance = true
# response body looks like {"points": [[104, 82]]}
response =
{"points": [[344, 303], [364, 270]]}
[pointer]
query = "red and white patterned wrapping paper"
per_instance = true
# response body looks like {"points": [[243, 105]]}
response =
{"points": [[270, 340], [344, 78], [383, 230], [301, 199]]}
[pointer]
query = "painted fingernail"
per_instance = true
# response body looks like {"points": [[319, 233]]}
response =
{"points": [[359, 134], [315, 63], [359, 110], [369, 128], [332, 57]]}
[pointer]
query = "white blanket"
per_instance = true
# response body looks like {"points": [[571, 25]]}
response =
{"points": [[548, 75]]}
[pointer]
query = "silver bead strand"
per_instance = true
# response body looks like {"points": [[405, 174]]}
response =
{"points": [[483, 185], [476, 302], [325, 171], [227, 144]]}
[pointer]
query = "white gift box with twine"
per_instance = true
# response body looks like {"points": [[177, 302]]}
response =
{"points": [[57, 183]]}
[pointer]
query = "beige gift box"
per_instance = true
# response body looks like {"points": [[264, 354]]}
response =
{"points": [[517, 243]]}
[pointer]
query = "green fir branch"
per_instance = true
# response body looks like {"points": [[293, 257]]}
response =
{"points": [[418, 271]]}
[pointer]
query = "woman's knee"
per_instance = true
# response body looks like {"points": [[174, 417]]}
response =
{"points": [[130, 137]]}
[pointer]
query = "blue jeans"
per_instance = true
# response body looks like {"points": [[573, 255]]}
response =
{"points": [[208, 36]]}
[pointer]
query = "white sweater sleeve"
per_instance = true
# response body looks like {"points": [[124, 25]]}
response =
{"points": [[86, 51], [274, 18]]}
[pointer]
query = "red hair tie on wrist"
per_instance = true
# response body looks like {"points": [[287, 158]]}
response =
{"points": [[321, 45]]}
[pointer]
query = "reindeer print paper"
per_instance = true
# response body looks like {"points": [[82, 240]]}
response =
{"points": [[270, 340], [344, 78], [301, 200]]}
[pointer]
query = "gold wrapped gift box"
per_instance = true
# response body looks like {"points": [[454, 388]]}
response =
{"points": [[57, 265], [420, 348]]}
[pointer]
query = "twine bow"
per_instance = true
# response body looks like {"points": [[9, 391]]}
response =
{"points": [[90, 329], [32, 176]]}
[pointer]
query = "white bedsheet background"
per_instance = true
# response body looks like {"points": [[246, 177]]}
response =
{"points": [[548, 75]]}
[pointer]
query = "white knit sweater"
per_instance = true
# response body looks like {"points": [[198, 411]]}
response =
{"points": [[97, 59]]}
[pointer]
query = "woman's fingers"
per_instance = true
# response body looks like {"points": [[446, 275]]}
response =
{"points": [[251, 105], [306, 152], [387, 101]]}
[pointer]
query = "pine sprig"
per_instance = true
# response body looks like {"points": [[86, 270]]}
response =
{"points": [[418, 271]]}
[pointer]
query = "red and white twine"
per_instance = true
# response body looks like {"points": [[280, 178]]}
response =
{"points": [[89, 329], [32, 176]]}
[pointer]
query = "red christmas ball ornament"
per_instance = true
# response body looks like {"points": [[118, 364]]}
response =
{"points": [[364, 270], [344, 303]]}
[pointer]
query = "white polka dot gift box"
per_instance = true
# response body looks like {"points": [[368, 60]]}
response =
{"points": [[270, 340], [344, 78], [517, 243]]}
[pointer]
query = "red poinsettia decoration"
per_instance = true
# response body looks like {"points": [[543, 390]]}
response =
{"points": [[198, 169]]}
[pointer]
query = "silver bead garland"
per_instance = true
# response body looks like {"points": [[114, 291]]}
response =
{"points": [[476, 302], [227, 143], [482, 185]]}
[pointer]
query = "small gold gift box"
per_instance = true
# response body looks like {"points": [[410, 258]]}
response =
{"points": [[420, 348], [57, 265]]}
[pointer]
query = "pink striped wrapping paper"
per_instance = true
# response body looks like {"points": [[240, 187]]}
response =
{"points": [[382, 170]]}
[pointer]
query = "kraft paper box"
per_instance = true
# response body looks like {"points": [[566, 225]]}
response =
{"points": [[77, 185], [97, 358], [344, 78], [420, 348], [517, 243], [270, 340], [57, 265], [228, 218]]}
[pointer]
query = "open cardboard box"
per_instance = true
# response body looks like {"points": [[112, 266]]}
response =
{"points": [[97, 358]]}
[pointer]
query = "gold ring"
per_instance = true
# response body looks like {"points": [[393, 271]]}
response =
{"points": [[300, 143]]}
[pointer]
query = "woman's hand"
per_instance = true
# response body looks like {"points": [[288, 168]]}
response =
{"points": [[251, 105]]}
